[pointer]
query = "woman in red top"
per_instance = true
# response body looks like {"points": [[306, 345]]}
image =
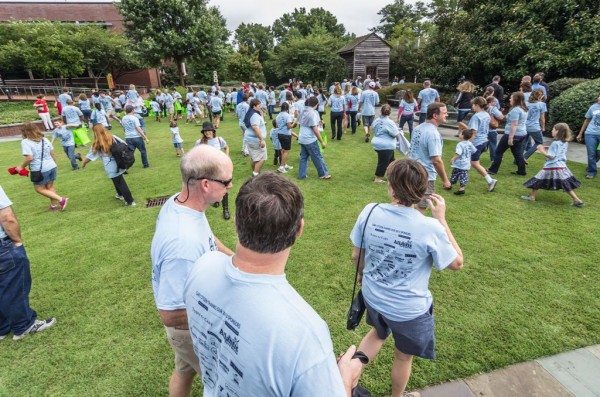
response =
{"points": [[42, 108]]}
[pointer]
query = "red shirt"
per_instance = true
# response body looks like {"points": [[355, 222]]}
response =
{"points": [[41, 102]]}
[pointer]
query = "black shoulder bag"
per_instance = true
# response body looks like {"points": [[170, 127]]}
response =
{"points": [[357, 306], [36, 176]]}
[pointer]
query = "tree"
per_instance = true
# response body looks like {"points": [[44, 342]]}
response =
{"points": [[244, 65], [301, 23], [256, 38], [401, 14], [174, 30]]}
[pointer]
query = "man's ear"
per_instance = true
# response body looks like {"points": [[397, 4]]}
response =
{"points": [[301, 229]]}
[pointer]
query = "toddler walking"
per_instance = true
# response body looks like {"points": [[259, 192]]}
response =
{"points": [[555, 174], [176, 138], [461, 161]]}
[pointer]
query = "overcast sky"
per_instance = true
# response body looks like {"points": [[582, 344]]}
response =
{"points": [[356, 16]]}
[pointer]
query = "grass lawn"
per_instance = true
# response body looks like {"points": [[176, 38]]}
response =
{"points": [[22, 112], [530, 286]]}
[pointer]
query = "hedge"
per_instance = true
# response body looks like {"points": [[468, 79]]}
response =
{"points": [[559, 86], [570, 107]]}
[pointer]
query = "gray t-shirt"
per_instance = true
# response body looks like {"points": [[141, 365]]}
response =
{"points": [[425, 143], [34, 149], [130, 124]]}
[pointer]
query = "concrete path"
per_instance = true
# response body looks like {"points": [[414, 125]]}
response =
{"points": [[571, 374]]}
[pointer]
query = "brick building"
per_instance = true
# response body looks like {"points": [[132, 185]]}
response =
{"points": [[101, 12]]}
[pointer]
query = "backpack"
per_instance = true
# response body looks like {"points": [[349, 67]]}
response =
{"points": [[124, 158]]}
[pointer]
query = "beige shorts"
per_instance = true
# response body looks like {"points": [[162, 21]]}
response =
{"points": [[171, 109], [111, 112], [430, 190], [256, 152], [186, 361]]}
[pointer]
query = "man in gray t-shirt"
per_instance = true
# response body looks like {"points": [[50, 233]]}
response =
{"points": [[16, 315]]}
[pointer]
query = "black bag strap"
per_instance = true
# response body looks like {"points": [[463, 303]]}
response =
{"points": [[42, 159], [360, 251]]}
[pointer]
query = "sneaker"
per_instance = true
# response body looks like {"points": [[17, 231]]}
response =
{"points": [[589, 176], [63, 203], [459, 192], [37, 326], [119, 197], [282, 170], [367, 137], [289, 167], [132, 204], [325, 177], [527, 198], [3, 336], [53, 208], [578, 204], [492, 185], [147, 166]]}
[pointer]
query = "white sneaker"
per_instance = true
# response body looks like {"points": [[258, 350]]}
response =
{"points": [[119, 197], [37, 326], [492, 185], [132, 204], [254, 173], [282, 170], [289, 167]]}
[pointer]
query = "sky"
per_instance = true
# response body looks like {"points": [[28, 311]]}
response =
{"points": [[356, 16]]}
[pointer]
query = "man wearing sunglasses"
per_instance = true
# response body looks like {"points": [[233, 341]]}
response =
{"points": [[182, 236]]}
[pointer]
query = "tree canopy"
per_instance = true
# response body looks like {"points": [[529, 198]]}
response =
{"points": [[302, 23], [254, 37]]}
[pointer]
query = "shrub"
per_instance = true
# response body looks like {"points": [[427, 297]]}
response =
{"points": [[570, 107], [559, 86], [393, 90]]}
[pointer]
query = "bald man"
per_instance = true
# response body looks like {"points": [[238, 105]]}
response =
{"points": [[182, 236]]}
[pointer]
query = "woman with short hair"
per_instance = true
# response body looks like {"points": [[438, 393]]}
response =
{"points": [[385, 138]]}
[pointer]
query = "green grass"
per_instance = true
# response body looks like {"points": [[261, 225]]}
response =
{"points": [[22, 112], [530, 287]]}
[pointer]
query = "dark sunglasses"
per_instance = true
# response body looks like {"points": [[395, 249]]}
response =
{"points": [[224, 183]]}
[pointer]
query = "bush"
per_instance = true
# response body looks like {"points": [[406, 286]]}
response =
{"points": [[559, 86], [570, 107], [393, 90]]}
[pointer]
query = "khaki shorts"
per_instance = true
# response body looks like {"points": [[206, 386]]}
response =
{"points": [[430, 190], [186, 361], [111, 112], [256, 152]]}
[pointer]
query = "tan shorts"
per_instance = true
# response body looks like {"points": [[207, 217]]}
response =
{"points": [[111, 112], [186, 361], [256, 152], [430, 190]]}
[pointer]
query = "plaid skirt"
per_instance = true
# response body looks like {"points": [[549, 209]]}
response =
{"points": [[553, 179]]}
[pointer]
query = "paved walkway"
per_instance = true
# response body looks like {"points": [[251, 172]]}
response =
{"points": [[570, 374]]}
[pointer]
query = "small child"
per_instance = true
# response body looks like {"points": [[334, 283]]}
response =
{"points": [[190, 113], [98, 116], [461, 162], [276, 144], [67, 141], [176, 138], [555, 174], [155, 108], [228, 101]]}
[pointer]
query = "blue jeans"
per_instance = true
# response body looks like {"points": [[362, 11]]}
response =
{"points": [[422, 117], [407, 119], [593, 154], [16, 315], [462, 113], [313, 151], [70, 152], [138, 143], [493, 143], [516, 150], [538, 139]]}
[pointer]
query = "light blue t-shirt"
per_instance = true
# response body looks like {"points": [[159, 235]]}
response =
{"points": [[130, 124], [216, 104], [65, 135], [302, 92], [385, 132], [369, 100], [337, 103], [168, 100], [240, 111], [538, 86], [216, 142], [464, 150], [401, 246], [182, 236], [202, 95], [71, 114], [4, 203], [408, 109], [275, 139], [282, 120], [108, 161], [131, 95], [309, 118], [63, 98], [518, 114], [106, 102], [536, 109], [593, 114], [175, 136], [99, 117], [255, 335], [282, 95], [322, 101], [425, 143], [84, 105], [480, 122], [262, 96], [250, 134], [352, 102], [270, 98], [427, 96], [558, 149], [34, 149]]}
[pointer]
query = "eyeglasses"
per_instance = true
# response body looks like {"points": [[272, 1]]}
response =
{"points": [[222, 182]]}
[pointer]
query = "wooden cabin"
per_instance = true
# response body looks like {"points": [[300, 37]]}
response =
{"points": [[367, 55]]}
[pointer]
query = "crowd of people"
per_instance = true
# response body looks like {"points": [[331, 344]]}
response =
{"points": [[212, 299]]}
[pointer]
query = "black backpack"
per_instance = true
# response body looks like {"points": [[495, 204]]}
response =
{"points": [[122, 155]]}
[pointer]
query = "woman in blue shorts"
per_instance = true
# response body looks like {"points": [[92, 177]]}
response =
{"points": [[398, 246]]}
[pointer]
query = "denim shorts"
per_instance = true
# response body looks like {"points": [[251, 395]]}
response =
{"points": [[480, 149], [415, 337], [178, 145], [368, 120], [48, 176]]}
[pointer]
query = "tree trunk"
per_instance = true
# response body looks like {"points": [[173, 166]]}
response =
{"points": [[180, 72]]}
